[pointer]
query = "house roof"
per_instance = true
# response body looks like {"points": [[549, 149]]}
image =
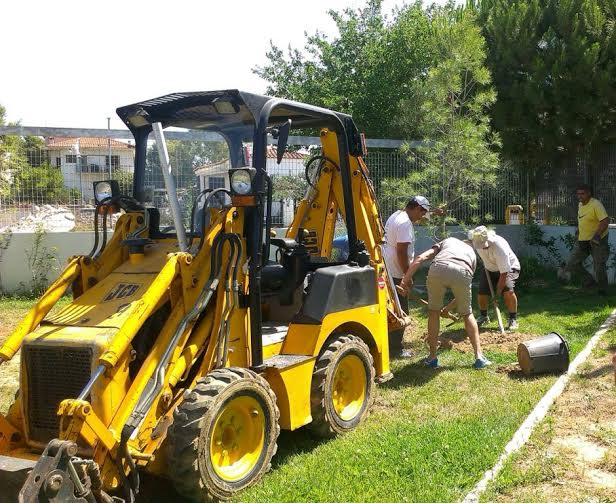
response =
{"points": [[54, 143], [271, 154]]}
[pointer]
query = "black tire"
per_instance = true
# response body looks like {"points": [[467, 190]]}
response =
{"points": [[327, 421], [197, 422]]}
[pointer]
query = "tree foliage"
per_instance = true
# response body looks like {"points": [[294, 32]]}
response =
{"points": [[366, 70], [288, 187], [185, 157], [450, 108], [553, 63], [42, 184]]}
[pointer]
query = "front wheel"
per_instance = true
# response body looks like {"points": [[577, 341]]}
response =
{"points": [[342, 386], [223, 435]]}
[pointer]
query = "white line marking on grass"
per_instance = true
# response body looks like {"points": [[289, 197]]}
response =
{"points": [[538, 413]]}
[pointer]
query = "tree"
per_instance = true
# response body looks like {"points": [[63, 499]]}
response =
{"points": [[42, 184], [366, 70], [451, 110], [12, 156], [553, 63], [185, 157], [288, 187]]}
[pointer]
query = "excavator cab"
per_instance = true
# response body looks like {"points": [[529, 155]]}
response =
{"points": [[194, 336]]}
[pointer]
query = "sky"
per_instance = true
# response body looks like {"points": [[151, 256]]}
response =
{"points": [[71, 63]]}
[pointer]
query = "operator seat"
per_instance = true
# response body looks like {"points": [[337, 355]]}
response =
{"points": [[284, 277]]}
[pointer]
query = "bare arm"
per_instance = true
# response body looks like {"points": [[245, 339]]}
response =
{"points": [[500, 286], [603, 224], [402, 255], [408, 276]]}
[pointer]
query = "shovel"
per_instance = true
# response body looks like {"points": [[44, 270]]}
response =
{"points": [[495, 302], [415, 297]]}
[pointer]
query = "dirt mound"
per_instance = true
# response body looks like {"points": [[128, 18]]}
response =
{"points": [[490, 340]]}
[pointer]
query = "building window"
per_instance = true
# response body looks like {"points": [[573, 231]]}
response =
{"points": [[71, 159], [58, 162], [216, 182], [115, 161]]}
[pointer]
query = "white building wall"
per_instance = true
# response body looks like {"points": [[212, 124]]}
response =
{"points": [[83, 181], [286, 167]]}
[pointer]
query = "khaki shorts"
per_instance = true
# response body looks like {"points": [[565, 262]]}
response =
{"points": [[457, 279]]}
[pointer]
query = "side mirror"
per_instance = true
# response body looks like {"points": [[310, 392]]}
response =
{"points": [[283, 137]]}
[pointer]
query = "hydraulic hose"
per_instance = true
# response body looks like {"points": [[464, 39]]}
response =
{"points": [[156, 381], [231, 297], [205, 203], [192, 216]]}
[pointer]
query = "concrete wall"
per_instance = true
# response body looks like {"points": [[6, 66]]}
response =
{"points": [[516, 236], [14, 271]]}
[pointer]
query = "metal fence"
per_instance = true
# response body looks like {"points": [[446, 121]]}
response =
{"points": [[555, 183], [51, 179]]}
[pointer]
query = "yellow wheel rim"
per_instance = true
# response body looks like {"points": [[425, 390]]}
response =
{"points": [[349, 387], [237, 438]]}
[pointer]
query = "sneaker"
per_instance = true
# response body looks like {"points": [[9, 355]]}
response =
{"points": [[482, 320], [432, 363], [513, 325], [481, 363]]}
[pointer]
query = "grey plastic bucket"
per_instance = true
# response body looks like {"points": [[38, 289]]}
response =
{"points": [[549, 353]]}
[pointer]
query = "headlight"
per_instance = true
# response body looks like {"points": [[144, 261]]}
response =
{"points": [[105, 189], [241, 181]]}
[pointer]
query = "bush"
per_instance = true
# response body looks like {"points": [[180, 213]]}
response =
{"points": [[42, 185], [534, 271]]}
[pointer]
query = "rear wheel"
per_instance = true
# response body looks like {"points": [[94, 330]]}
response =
{"points": [[223, 435], [342, 386]]}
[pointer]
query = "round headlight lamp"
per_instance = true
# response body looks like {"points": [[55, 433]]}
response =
{"points": [[241, 182], [103, 191]]}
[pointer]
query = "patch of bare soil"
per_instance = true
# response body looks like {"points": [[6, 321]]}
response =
{"points": [[490, 340], [577, 457]]}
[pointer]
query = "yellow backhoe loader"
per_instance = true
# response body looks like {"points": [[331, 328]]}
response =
{"points": [[186, 347]]}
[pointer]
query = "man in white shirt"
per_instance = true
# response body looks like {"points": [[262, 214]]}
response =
{"points": [[399, 251], [504, 269], [399, 248]]}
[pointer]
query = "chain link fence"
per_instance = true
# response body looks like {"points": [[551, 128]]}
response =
{"points": [[555, 182], [50, 179]]}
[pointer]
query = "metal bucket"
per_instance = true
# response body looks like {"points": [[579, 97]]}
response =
{"points": [[549, 353]]}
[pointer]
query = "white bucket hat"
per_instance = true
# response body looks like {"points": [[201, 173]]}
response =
{"points": [[481, 236]]}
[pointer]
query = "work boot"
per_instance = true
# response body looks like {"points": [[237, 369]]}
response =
{"points": [[513, 324], [483, 320]]}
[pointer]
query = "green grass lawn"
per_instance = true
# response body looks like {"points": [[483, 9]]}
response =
{"points": [[432, 433], [12, 311]]}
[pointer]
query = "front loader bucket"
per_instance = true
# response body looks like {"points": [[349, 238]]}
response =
{"points": [[13, 475]]}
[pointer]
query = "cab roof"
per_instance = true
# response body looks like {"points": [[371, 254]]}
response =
{"points": [[220, 110]]}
